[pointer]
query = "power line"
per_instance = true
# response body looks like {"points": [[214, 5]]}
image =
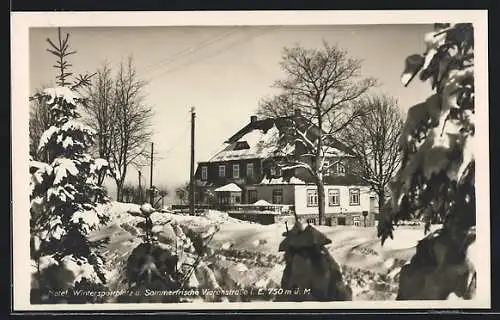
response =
{"points": [[191, 49], [187, 51], [230, 46], [179, 140]]}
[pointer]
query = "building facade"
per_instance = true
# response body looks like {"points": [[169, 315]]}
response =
{"points": [[248, 168]]}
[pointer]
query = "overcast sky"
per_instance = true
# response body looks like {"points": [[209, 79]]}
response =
{"points": [[223, 72]]}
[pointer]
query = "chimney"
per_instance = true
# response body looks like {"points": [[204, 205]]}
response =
{"points": [[253, 118], [297, 112]]}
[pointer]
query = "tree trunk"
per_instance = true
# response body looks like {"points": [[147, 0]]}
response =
{"points": [[321, 202], [100, 178], [119, 191], [381, 199]]}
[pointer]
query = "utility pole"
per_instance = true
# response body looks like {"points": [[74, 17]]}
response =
{"points": [[191, 176], [140, 187], [151, 194]]}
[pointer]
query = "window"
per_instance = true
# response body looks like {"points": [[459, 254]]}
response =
{"points": [[250, 170], [278, 196], [338, 168], [278, 171], [236, 170], [223, 199], [204, 173], [273, 171], [354, 197], [312, 198], [326, 168], [241, 145], [235, 199], [311, 221], [333, 197], [356, 221], [252, 196], [222, 171]]}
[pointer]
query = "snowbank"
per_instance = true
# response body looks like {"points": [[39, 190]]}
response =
{"points": [[354, 246], [246, 254]]}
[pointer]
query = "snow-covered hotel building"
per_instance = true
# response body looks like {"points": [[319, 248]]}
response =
{"points": [[247, 170]]}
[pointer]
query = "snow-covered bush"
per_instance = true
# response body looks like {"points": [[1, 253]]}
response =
{"points": [[64, 192]]}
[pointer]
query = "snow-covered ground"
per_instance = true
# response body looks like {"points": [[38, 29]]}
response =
{"points": [[247, 253]]}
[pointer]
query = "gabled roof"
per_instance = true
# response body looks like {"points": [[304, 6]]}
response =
{"points": [[259, 138], [230, 187], [262, 203], [256, 141], [263, 125]]}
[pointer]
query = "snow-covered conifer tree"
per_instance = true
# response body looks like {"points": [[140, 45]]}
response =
{"points": [[64, 193], [436, 180]]}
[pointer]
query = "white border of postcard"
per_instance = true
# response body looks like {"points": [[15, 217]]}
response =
{"points": [[22, 21]]}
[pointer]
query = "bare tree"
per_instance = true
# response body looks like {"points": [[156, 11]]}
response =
{"points": [[117, 111], [280, 105], [323, 84], [374, 138], [162, 194], [181, 192], [132, 127], [100, 109]]}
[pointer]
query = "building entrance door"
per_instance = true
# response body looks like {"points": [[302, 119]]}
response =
{"points": [[341, 221], [329, 221]]}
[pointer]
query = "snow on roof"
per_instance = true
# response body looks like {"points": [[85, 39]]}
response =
{"points": [[293, 180], [260, 144], [231, 187], [262, 203], [334, 152], [259, 139]]}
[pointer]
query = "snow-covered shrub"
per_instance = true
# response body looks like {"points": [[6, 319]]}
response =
{"points": [[64, 191]]}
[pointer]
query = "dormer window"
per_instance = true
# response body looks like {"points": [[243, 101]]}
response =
{"points": [[204, 173], [339, 169], [275, 171], [241, 145]]}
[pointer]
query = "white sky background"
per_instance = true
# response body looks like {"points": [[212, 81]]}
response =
{"points": [[223, 72]]}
